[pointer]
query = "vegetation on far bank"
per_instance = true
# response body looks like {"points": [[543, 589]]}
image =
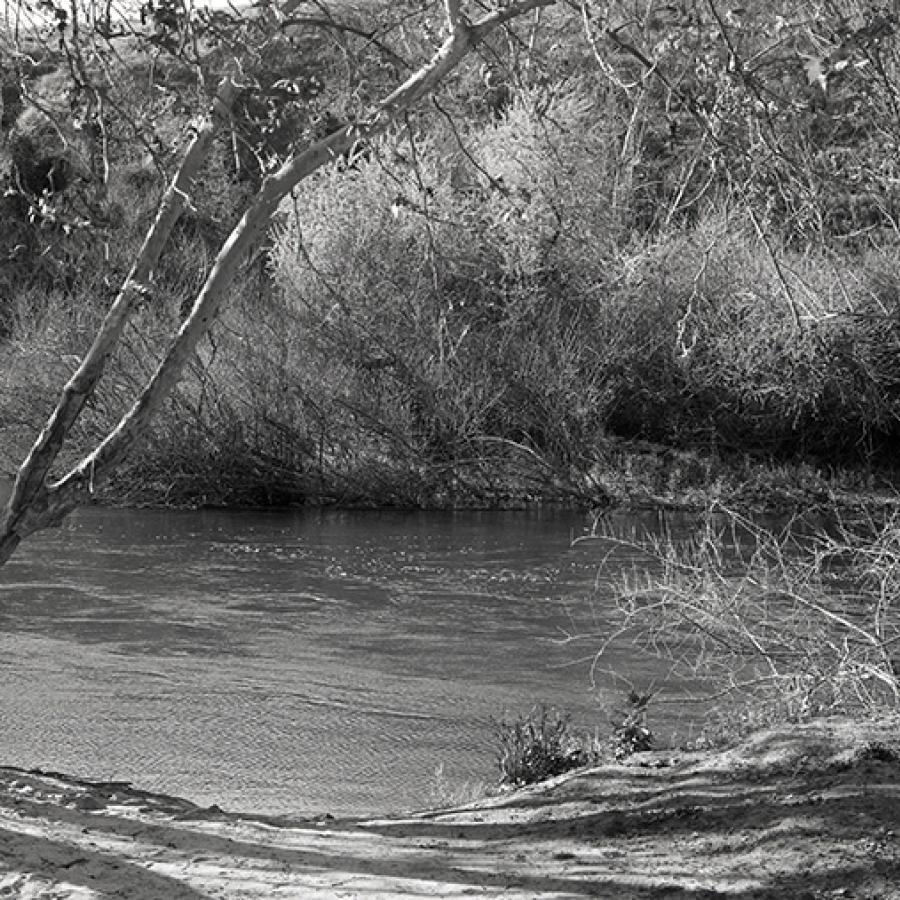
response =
{"points": [[575, 275]]}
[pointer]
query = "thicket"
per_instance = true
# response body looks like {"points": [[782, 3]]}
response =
{"points": [[670, 224], [766, 625]]}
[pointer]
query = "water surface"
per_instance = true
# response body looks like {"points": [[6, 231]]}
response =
{"points": [[297, 662]]}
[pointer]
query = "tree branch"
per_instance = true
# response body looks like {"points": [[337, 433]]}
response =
{"points": [[29, 506], [34, 504], [453, 14]]}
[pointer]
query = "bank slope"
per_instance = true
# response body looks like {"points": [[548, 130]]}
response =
{"points": [[800, 811]]}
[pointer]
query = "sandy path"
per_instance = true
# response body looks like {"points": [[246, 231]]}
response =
{"points": [[806, 812]]}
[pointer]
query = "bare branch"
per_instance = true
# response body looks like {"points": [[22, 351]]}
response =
{"points": [[453, 14], [28, 507], [34, 504]]}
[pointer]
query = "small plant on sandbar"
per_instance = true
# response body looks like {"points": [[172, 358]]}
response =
{"points": [[631, 734], [536, 747], [447, 793]]}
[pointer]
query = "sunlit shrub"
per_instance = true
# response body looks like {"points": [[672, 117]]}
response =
{"points": [[536, 747], [550, 169], [444, 300], [767, 626]]}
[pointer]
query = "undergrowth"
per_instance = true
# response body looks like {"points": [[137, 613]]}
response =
{"points": [[530, 285], [768, 626]]}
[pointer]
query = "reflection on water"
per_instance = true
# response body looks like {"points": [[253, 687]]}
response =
{"points": [[294, 662]]}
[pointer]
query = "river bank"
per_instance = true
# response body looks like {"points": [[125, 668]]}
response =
{"points": [[627, 475], [810, 810]]}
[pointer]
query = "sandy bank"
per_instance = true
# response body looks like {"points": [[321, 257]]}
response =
{"points": [[791, 813]]}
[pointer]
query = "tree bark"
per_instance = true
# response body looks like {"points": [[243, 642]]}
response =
{"points": [[37, 504], [32, 504]]}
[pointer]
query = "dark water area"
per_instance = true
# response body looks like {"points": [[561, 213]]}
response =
{"points": [[297, 662]]}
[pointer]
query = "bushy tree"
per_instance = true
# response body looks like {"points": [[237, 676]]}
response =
{"points": [[35, 503]]}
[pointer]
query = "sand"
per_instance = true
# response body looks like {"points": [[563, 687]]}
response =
{"points": [[797, 812]]}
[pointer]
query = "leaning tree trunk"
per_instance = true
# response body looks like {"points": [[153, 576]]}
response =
{"points": [[36, 502]]}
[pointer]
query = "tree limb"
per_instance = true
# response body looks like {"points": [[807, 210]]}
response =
{"points": [[34, 503], [29, 507], [453, 14]]}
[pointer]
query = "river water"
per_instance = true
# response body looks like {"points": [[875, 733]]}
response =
{"points": [[296, 662]]}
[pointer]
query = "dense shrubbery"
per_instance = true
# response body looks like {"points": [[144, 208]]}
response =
{"points": [[516, 315], [769, 626], [561, 253]]}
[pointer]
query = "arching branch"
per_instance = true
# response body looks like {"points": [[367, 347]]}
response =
{"points": [[37, 504]]}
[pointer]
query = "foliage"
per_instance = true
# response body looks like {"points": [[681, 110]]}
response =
{"points": [[774, 626], [443, 339], [722, 351], [631, 734], [542, 744], [536, 747], [788, 111], [693, 345], [679, 231]]}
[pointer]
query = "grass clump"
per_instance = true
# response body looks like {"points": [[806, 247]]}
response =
{"points": [[542, 744], [446, 793], [536, 747]]}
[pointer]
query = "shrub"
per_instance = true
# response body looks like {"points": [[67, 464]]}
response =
{"points": [[455, 309], [631, 734], [713, 342], [536, 747], [772, 627]]}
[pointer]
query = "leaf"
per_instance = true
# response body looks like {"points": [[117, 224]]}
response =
{"points": [[816, 73]]}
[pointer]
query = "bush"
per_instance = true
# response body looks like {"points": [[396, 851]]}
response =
{"points": [[712, 344], [631, 734], [769, 627], [455, 310], [536, 747]]}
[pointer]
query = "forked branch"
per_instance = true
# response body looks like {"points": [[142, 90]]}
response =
{"points": [[37, 504]]}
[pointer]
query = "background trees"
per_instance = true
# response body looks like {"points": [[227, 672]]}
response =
{"points": [[663, 223], [35, 503]]}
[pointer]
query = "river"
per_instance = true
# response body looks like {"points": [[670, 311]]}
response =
{"points": [[297, 662]]}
